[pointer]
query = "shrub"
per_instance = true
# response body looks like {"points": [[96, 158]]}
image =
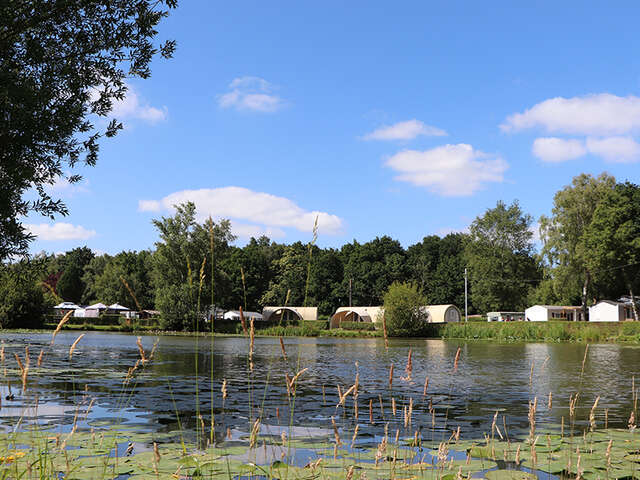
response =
{"points": [[403, 312], [22, 302], [316, 324], [358, 326]]}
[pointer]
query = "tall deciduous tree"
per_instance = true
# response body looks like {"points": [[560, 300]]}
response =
{"points": [[500, 258], [183, 247], [613, 241], [564, 233], [62, 62]]}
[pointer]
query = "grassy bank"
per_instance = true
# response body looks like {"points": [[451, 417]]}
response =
{"points": [[541, 331]]}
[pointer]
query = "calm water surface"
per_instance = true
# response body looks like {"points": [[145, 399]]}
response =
{"points": [[490, 377]]}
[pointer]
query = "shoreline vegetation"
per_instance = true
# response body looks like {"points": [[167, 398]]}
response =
{"points": [[614, 332], [420, 440]]}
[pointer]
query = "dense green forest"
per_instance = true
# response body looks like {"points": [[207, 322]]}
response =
{"points": [[589, 249]]}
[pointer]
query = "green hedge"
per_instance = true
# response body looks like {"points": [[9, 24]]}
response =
{"points": [[316, 324], [358, 326]]}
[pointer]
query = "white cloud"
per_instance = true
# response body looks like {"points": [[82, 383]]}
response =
{"points": [[149, 206], [405, 131], [448, 170], [598, 114], [552, 149], [237, 203], [59, 231], [250, 93], [615, 149], [63, 187], [133, 106]]}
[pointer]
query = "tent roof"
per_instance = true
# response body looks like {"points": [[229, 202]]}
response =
{"points": [[96, 306], [67, 305], [117, 306]]}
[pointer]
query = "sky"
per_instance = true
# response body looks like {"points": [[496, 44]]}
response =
{"points": [[379, 118]]}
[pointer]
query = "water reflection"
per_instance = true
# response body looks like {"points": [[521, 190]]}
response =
{"points": [[490, 377]]}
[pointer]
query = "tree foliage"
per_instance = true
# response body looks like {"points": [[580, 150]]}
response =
{"points": [[63, 62], [403, 310], [564, 234], [22, 300], [500, 258]]}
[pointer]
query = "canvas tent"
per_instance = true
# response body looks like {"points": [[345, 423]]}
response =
{"points": [[356, 314], [65, 307], [94, 311], [287, 314], [442, 313]]}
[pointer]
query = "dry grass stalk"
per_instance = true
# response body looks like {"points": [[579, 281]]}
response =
{"points": [[74, 344], [130, 290], [336, 435], [518, 455], [344, 396], [632, 422], [156, 452], [573, 399], [292, 383], [550, 401], [60, 325], [393, 405], [531, 374], [391, 377], [350, 473], [592, 414], [284, 352], [384, 332], [426, 386], [25, 372], [143, 357], [381, 406], [252, 336], [243, 322], [606, 418], [224, 389], [533, 406], [355, 436], [371, 411], [2, 354], [253, 438], [586, 351], [409, 368], [455, 362], [19, 362], [39, 362], [608, 453]]}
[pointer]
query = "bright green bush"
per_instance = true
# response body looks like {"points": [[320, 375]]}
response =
{"points": [[403, 310]]}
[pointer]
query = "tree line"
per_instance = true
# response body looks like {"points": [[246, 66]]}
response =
{"points": [[589, 250]]}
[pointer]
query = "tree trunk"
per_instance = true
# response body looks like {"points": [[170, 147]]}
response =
{"points": [[585, 288], [634, 307]]}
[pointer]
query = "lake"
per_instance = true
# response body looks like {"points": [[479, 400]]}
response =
{"points": [[161, 397]]}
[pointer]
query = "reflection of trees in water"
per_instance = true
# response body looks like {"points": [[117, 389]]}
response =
{"points": [[490, 376]]}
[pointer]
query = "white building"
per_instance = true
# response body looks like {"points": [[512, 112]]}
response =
{"points": [[505, 316], [544, 313], [235, 315], [609, 311]]}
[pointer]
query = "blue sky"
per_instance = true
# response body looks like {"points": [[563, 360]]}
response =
{"points": [[398, 118]]}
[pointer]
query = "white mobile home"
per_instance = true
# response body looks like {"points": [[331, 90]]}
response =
{"points": [[235, 315], [505, 316], [608, 311], [545, 313]]}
